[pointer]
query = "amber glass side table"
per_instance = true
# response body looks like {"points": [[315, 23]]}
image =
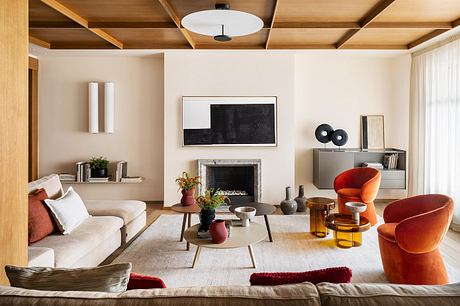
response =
{"points": [[319, 210], [347, 233]]}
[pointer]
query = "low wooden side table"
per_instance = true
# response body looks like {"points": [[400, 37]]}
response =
{"points": [[262, 209], [347, 232], [187, 211], [319, 210], [240, 237]]}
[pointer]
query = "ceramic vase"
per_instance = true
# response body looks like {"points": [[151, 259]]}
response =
{"points": [[288, 206], [206, 218], [218, 231], [188, 197], [301, 200], [99, 172]]}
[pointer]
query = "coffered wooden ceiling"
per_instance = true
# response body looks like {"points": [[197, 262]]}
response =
{"points": [[288, 24]]}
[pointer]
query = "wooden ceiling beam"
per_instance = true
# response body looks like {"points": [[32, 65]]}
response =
{"points": [[409, 25], [82, 21], [366, 20], [299, 47], [316, 25], [131, 25], [54, 25], [39, 42], [374, 47], [167, 6], [275, 9], [426, 37]]}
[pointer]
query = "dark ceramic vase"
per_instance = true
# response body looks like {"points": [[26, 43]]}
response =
{"points": [[301, 200], [188, 197], [206, 218], [288, 206], [99, 172], [218, 231]]}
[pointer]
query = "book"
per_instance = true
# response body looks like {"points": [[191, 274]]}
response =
{"points": [[67, 177], [79, 171], [121, 171], [98, 179], [131, 179]]}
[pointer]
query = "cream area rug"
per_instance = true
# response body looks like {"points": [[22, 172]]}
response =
{"points": [[158, 252]]}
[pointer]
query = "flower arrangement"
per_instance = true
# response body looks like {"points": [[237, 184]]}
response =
{"points": [[186, 182], [211, 199]]}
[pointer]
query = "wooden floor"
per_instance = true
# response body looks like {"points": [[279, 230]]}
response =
{"points": [[450, 246]]}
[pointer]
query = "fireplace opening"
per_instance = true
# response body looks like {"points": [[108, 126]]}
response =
{"points": [[236, 182]]}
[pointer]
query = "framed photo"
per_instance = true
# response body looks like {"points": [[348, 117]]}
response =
{"points": [[372, 132], [229, 121]]}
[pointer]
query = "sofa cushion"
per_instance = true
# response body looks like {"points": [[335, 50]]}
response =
{"points": [[84, 239], [387, 231], [332, 275], [110, 278], [388, 294], [40, 257], [68, 211], [304, 294], [40, 222], [50, 183], [128, 210], [141, 281]]}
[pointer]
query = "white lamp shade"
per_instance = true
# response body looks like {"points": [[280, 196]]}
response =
{"points": [[209, 22], [109, 107], [93, 99]]}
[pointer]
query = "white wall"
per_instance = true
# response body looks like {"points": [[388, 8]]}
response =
{"points": [[238, 74], [336, 88], [138, 136]]}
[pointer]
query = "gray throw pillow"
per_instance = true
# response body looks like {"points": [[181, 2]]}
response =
{"points": [[110, 278]]}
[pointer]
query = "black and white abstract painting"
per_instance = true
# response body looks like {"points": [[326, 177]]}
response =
{"points": [[229, 121]]}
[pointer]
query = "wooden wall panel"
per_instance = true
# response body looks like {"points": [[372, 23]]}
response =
{"points": [[13, 133]]}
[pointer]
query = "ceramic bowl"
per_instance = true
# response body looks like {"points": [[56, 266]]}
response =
{"points": [[356, 208], [245, 213]]}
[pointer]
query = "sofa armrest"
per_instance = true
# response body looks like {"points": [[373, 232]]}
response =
{"points": [[41, 257]]}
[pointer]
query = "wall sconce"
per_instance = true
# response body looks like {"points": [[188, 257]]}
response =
{"points": [[93, 97], [109, 107]]}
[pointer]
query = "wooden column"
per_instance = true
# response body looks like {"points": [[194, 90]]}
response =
{"points": [[13, 133]]}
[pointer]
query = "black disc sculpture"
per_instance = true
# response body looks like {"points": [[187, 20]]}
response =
{"points": [[339, 137], [323, 133]]}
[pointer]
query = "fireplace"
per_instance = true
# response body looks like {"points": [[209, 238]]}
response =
{"points": [[239, 179]]}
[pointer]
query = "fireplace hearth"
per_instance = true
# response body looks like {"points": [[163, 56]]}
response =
{"points": [[239, 179]]}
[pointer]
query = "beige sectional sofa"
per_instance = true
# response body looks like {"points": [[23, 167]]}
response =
{"points": [[112, 223], [287, 295]]}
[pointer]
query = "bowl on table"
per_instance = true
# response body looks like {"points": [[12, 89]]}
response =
{"points": [[356, 208], [245, 213]]}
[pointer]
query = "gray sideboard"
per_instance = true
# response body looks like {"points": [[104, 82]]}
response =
{"points": [[328, 163]]}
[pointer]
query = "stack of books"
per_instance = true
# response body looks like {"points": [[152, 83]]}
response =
{"points": [[65, 177], [83, 171], [121, 171], [390, 161], [375, 165], [98, 179], [131, 179]]}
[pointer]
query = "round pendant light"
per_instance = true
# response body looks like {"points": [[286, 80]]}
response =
{"points": [[222, 23]]}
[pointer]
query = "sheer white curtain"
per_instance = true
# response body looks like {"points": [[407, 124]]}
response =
{"points": [[435, 124]]}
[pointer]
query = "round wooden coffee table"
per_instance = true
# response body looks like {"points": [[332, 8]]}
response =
{"points": [[347, 232], [239, 237], [187, 211], [262, 209]]}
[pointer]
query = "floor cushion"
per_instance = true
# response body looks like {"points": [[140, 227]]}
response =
{"points": [[331, 275]]}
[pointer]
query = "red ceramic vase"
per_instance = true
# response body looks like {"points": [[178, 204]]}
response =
{"points": [[188, 197], [218, 231]]}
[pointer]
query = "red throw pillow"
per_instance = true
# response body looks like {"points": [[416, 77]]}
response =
{"points": [[41, 223], [139, 281], [330, 275]]}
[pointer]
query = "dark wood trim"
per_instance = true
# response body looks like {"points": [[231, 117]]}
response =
{"points": [[33, 119], [54, 25], [426, 37], [371, 15]]}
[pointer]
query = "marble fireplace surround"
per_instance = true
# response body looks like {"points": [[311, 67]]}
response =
{"points": [[204, 164]]}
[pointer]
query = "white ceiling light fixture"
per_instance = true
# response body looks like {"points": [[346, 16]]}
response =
{"points": [[222, 23]]}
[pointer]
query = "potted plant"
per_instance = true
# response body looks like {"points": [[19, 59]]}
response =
{"points": [[99, 166], [187, 185], [208, 204]]}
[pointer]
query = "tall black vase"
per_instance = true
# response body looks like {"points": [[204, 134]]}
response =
{"points": [[206, 218]]}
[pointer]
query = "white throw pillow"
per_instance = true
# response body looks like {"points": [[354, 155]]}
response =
{"points": [[69, 211]]}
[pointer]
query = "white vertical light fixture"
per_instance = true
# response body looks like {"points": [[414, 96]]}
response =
{"points": [[93, 98], [109, 107]]}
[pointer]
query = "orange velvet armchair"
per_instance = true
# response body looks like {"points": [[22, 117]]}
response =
{"points": [[409, 239], [358, 185]]}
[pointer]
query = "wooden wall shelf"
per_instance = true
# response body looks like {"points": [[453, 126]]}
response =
{"points": [[100, 183]]}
